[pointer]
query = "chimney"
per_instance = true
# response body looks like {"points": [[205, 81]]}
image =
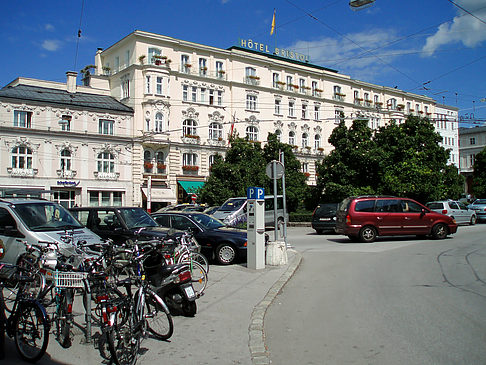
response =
{"points": [[71, 81]]}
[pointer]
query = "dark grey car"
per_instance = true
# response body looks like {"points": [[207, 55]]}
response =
{"points": [[479, 206], [324, 217]]}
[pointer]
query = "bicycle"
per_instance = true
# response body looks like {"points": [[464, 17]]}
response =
{"points": [[27, 323]]}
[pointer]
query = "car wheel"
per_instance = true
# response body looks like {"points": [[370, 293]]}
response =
{"points": [[367, 234], [319, 231], [439, 231], [473, 220], [225, 254]]}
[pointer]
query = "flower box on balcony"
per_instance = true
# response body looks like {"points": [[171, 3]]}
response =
{"points": [[307, 174], [320, 149], [280, 83], [204, 68], [221, 72], [421, 112], [308, 148], [148, 165], [190, 168], [187, 65], [253, 77], [193, 136], [318, 90], [161, 166], [294, 86]]}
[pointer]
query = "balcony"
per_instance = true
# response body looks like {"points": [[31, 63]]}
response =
{"points": [[191, 139], [110, 176], [252, 80], [16, 172], [66, 174], [191, 170], [338, 96]]}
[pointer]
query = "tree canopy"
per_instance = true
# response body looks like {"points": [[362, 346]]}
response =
{"points": [[479, 174], [399, 159]]}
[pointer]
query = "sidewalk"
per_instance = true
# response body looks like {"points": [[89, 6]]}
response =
{"points": [[227, 329]]}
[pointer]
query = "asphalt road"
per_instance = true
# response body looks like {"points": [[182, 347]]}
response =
{"points": [[395, 301]]}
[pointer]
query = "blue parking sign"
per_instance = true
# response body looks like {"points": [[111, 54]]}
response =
{"points": [[254, 193]]}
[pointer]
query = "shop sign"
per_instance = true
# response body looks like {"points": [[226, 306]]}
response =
{"points": [[68, 183], [265, 48]]}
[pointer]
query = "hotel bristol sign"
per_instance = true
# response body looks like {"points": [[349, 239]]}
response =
{"points": [[264, 48]]}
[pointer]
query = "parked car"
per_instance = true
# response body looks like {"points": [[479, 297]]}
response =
{"points": [[454, 209], [182, 206], [211, 210], [34, 221], [479, 206], [120, 223], [324, 217], [364, 218], [225, 244]]}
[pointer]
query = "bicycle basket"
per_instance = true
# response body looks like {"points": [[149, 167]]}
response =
{"points": [[65, 279], [152, 266]]}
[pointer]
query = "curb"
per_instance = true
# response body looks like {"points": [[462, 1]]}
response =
{"points": [[256, 343]]}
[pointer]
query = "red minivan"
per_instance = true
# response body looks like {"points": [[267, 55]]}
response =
{"points": [[364, 218]]}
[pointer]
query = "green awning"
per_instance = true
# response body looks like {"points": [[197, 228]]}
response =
{"points": [[191, 187]]}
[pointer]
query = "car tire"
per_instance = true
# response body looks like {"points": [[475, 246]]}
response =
{"points": [[319, 231], [226, 254], [367, 234], [439, 231], [473, 220]]}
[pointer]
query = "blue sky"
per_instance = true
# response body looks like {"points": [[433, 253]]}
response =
{"points": [[403, 43]]}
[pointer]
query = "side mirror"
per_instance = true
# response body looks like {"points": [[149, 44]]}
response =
{"points": [[423, 211]]}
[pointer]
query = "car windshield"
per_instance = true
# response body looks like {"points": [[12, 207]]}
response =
{"points": [[46, 216], [327, 208], [137, 218], [232, 205], [207, 221], [434, 205], [480, 201]]}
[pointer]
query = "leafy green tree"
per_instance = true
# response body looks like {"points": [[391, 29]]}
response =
{"points": [[479, 174]]}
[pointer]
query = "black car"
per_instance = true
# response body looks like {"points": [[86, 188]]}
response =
{"points": [[226, 245], [324, 217], [120, 223]]}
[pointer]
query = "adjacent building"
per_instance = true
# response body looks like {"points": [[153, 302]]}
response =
{"points": [[471, 141]]}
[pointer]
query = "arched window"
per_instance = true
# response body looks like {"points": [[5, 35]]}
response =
{"points": [[106, 162], [278, 133], [317, 141], [148, 163], [21, 157], [160, 158], [159, 123], [252, 133], [292, 138], [189, 127], [215, 131], [65, 160], [305, 141]]}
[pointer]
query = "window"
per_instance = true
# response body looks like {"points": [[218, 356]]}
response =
{"points": [[278, 133], [472, 140], [356, 97], [66, 198], [392, 104], [219, 69], [417, 108], [291, 108], [315, 91], [304, 111], [185, 89], [117, 64], [408, 107], [147, 85], [189, 127], [317, 141], [125, 86], [148, 164], [305, 167], [106, 162], [252, 133], [21, 157], [426, 109], [250, 76], [276, 79], [194, 94], [338, 116], [250, 71], [292, 138], [158, 86], [302, 85], [290, 86], [337, 90], [305, 141], [127, 58], [106, 126], [22, 119], [203, 69], [220, 98], [159, 123], [185, 65], [160, 158], [376, 99], [203, 95], [215, 131], [251, 102], [105, 198], [189, 159], [277, 106], [65, 160], [65, 123], [317, 113], [151, 53]]}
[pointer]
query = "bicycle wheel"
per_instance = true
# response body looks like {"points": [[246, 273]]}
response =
{"points": [[124, 342], [201, 259], [63, 319], [31, 332], [159, 321], [199, 277]]}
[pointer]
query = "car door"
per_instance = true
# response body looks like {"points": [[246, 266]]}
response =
{"points": [[455, 212], [414, 220], [465, 212], [10, 236], [387, 215]]}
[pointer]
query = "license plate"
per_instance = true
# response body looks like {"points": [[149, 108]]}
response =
{"points": [[189, 292], [324, 219]]}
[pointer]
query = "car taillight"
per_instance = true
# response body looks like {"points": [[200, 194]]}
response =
{"points": [[185, 276], [348, 219], [444, 211]]}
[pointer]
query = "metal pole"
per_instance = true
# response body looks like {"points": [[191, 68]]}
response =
{"points": [[149, 194], [282, 160], [275, 218]]}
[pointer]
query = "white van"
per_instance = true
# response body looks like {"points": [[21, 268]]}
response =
{"points": [[34, 221], [233, 211]]}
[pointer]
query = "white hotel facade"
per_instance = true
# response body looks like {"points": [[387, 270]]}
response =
{"points": [[187, 98]]}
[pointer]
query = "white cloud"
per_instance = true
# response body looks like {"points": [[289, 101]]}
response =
{"points": [[49, 27], [463, 28], [51, 45]]}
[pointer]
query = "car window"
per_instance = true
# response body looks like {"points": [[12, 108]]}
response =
{"points": [[207, 221], [163, 220], [435, 205], [182, 223], [462, 206], [327, 208], [233, 204], [106, 220], [387, 205], [365, 206], [136, 218], [45, 216], [81, 216], [6, 220], [453, 205], [412, 207]]}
